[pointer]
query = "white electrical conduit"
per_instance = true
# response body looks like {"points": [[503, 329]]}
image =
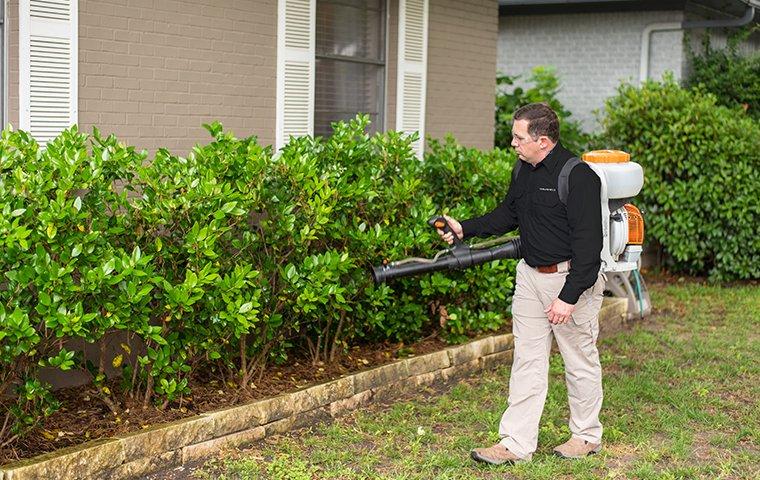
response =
{"points": [[672, 26]]}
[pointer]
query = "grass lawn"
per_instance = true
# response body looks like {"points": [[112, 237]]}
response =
{"points": [[682, 400]]}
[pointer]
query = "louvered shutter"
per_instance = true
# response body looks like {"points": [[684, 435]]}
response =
{"points": [[412, 69], [295, 69], [47, 67]]}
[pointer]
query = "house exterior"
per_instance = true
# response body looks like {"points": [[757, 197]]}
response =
{"points": [[154, 71], [594, 45]]}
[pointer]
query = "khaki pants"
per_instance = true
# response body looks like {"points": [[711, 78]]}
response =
{"points": [[533, 339]]}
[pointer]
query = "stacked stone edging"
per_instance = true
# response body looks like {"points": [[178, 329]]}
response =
{"points": [[173, 444]]}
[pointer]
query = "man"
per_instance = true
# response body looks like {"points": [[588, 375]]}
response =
{"points": [[558, 289]]}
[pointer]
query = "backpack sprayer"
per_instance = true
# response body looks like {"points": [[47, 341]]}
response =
{"points": [[622, 234]]}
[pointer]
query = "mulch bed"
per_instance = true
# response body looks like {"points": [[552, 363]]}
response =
{"points": [[84, 417]]}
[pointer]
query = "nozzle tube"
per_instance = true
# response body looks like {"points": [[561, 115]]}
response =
{"points": [[459, 258]]}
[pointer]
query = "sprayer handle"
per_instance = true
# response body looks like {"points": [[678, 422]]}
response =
{"points": [[440, 222]]}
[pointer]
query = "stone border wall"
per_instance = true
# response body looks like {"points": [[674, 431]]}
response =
{"points": [[173, 444]]}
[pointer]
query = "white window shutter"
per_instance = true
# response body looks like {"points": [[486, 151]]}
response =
{"points": [[412, 69], [47, 67], [296, 24]]}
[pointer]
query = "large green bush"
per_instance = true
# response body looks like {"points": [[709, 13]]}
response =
{"points": [[701, 196], [733, 77], [228, 259]]}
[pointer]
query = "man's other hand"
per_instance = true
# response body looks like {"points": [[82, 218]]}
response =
{"points": [[559, 312], [455, 227]]}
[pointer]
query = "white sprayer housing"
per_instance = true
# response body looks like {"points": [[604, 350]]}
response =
{"points": [[622, 224]]}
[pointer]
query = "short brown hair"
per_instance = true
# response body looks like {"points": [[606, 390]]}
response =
{"points": [[542, 120]]}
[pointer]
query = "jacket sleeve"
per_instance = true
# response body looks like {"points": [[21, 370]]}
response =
{"points": [[499, 221], [584, 214]]}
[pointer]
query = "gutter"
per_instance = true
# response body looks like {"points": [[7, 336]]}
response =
{"points": [[749, 14]]}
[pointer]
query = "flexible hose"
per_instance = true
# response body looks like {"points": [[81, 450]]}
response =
{"points": [[474, 246], [636, 277]]}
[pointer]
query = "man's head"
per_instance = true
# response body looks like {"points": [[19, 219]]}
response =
{"points": [[535, 131]]}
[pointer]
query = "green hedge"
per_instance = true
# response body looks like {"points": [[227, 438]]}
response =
{"points": [[701, 197], [733, 77], [228, 259]]}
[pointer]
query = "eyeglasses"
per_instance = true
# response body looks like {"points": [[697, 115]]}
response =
{"points": [[523, 141]]}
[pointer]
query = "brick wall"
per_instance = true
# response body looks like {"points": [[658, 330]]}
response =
{"points": [[592, 52], [461, 70], [153, 72]]}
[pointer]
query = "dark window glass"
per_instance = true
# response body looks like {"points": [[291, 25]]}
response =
{"points": [[350, 62]]}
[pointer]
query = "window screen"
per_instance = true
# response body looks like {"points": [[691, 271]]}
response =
{"points": [[350, 62]]}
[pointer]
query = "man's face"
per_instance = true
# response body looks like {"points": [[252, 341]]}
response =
{"points": [[528, 148]]}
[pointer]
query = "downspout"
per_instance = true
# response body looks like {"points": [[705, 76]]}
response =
{"points": [[749, 14]]}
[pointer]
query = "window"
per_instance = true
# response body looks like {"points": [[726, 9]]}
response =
{"points": [[349, 62]]}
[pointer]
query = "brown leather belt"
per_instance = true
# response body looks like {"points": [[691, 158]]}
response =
{"points": [[551, 268]]}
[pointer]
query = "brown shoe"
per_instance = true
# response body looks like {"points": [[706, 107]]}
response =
{"points": [[577, 448], [496, 455]]}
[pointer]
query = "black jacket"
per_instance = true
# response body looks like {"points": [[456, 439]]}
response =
{"points": [[551, 232]]}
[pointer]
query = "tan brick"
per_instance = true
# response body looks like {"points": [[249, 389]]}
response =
{"points": [[82, 461], [98, 106], [114, 70], [114, 22], [211, 33], [141, 3], [153, 85], [141, 24], [200, 66], [98, 8], [141, 96], [150, 107], [113, 118], [165, 120], [126, 83], [180, 86], [86, 19], [162, 438], [98, 81], [177, 132], [114, 46], [123, 59], [164, 74], [152, 62], [208, 448], [177, 97], [151, 132], [177, 63], [127, 131], [139, 119], [97, 56], [87, 43], [89, 118], [121, 10], [113, 94]]}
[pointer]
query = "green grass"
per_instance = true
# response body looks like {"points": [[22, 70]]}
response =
{"points": [[681, 401]]}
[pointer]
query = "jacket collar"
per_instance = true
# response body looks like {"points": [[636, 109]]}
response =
{"points": [[552, 158]]}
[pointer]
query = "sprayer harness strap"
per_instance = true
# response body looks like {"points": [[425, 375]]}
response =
{"points": [[563, 181]]}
